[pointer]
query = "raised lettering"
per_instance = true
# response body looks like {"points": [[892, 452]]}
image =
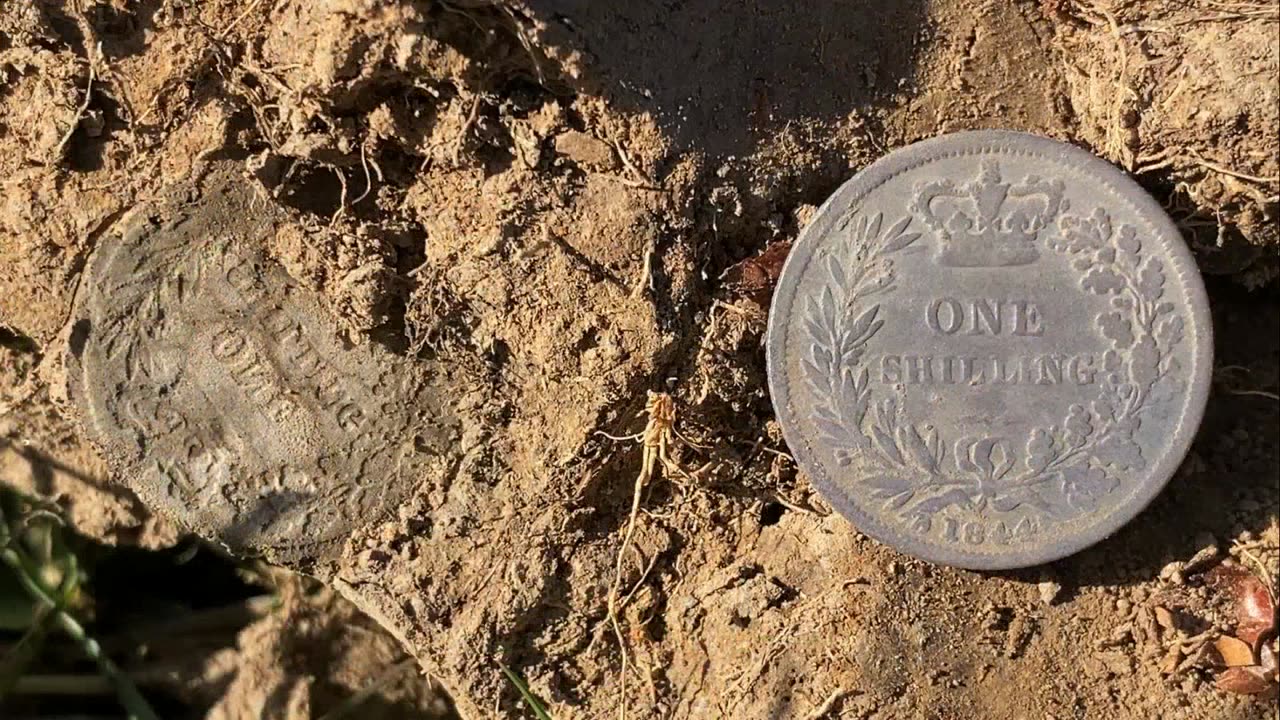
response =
{"points": [[974, 533], [933, 316], [984, 316], [240, 277], [891, 368], [283, 328], [918, 369], [1050, 370], [350, 417], [986, 313], [226, 344], [1026, 319], [307, 360], [1080, 368]]}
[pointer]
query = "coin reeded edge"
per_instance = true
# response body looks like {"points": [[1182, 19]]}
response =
{"points": [[1123, 189]]}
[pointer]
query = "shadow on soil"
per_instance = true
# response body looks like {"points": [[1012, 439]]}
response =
{"points": [[723, 76]]}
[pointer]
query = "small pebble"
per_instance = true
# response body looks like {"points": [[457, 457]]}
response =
{"points": [[1049, 591], [1189, 684], [586, 150], [1208, 552]]}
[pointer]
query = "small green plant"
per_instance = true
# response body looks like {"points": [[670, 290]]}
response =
{"points": [[28, 524], [535, 705]]}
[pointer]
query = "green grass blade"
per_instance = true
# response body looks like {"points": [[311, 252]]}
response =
{"points": [[539, 710], [19, 658], [132, 700]]}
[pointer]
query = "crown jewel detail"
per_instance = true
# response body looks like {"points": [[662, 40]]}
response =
{"points": [[988, 222]]}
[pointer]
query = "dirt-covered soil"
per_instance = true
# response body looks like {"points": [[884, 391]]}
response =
{"points": [[557, 197], [313, 655]]}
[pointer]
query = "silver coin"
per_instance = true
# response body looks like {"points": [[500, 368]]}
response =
{"points": [[225, 396], [989, 349]]}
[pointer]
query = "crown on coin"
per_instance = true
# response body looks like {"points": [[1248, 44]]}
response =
{"points": [[988, 222]]}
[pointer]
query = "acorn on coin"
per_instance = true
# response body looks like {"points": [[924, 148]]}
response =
{"points": [[989, 349]]}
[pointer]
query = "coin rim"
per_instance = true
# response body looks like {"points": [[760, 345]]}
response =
{"points": [[977, 142]]}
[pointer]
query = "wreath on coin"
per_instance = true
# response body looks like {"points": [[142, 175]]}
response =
{"points": [[1059, 471]]}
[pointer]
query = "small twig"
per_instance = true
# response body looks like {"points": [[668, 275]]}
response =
{"points": [[342, 197], [827, 706], [368, 179], [1153, 166], [615, 604], [1225, 370], [646, 273], [630, 182], [778, 453], [518, 29], [450, 8], [792, 506], [19, 657], [620, 438], [643, 576], [731, 307], [640, 180], [265, 74], [66, 685], [1265, 574], [84, 106], [1259, 393], [466, 129], [227, 30], [1199, 159]]}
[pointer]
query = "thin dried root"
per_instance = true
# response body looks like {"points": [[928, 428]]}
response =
{"points": [[1201, 161], [80, 111], [646, 274], [461, 140], [826, 707], [638, 179], [1260, 567], [656, 438], [239, 19], [342, 196]]}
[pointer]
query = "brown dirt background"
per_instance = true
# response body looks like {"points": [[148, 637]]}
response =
{"points": [[547, 193]]}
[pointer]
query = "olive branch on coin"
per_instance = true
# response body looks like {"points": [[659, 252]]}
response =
{"points": [[170, 289], [1066, 469]]}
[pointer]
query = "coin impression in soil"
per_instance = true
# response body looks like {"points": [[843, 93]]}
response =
{"points": [[989, 349], [226, 397]]}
